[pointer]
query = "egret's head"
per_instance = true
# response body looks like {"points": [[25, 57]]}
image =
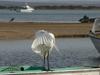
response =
{"points": [[44, 33], [40, 32]]}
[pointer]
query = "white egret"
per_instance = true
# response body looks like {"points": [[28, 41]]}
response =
{"points": [[43, 43]]}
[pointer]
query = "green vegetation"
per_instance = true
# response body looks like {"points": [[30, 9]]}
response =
{"points": [[10, 7], [53, 7], [67, 7]]}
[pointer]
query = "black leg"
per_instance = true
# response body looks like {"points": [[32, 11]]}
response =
{"points": [[44, 62], [48, 65]]}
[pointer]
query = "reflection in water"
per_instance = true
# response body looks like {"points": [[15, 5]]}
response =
{"points": [[73, 52]]}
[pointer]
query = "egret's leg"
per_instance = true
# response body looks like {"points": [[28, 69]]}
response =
{"points": [[44, 62], [48, 65]]}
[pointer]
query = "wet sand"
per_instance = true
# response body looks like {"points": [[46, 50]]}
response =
{"points": [[26, 30]]}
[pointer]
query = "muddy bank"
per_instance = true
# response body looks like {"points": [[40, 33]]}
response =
{"points": [[26, 30]]}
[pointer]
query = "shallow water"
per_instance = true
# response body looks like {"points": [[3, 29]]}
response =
{"points": [[73, 52]]}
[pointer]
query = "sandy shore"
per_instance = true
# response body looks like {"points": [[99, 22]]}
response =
{"points": [[26, 30]]}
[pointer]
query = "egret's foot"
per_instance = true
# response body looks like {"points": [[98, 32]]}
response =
{"points": [[49, 69], [44, 69]]}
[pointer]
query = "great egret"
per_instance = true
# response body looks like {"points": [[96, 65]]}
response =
{"points": [[43, 43]]}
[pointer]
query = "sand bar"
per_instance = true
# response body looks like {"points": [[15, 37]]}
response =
{"points": [[26, 30]]}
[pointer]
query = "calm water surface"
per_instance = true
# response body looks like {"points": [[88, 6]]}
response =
{"points": [[48, 15], [73, 52]]}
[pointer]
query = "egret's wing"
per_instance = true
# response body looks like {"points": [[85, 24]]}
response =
{"points": [[34, 46], [38, 43], [44, 41]]}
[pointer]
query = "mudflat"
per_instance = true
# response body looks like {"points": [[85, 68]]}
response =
{"points": [[26, 30]]}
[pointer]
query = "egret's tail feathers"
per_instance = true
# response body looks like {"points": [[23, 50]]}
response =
{"points": [[57, 49]]}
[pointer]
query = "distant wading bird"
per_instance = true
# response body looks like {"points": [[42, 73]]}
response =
{"points": [[12, 19], [43, 43]]}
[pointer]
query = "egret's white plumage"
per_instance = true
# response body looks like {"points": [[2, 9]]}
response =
{"points": [[43, 43]]}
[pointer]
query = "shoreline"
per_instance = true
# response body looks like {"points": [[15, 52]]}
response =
{"points": [[26, 30]]}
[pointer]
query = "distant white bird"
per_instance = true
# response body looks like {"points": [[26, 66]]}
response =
{"points": [[43, 43]]}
